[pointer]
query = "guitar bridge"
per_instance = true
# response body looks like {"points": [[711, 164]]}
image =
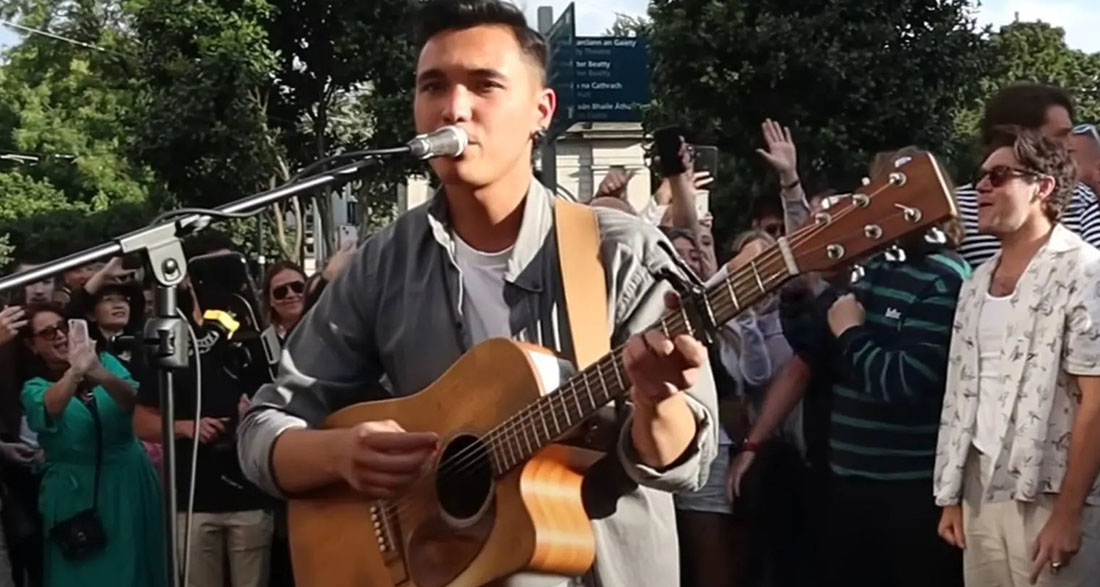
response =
{"points": [[386, 526], [383, 521]]}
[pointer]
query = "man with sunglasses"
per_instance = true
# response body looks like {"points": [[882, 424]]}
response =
{"points": [[1019, 442], [1085, 146], [1045, 109]]}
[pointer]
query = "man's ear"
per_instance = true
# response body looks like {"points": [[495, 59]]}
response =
{"points": [[1046, 186], [547, 105]]}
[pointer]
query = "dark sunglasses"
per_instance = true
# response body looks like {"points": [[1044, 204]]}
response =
{"points": [[50, 332], [284, 290], [1000, 174], [1088, 129]]}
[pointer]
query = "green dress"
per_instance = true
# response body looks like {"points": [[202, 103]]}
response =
{"points": [[129, 491]]}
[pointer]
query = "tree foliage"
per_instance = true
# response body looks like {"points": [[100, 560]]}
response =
{"points": [[850, 77], [62, 124], [168, 103]]}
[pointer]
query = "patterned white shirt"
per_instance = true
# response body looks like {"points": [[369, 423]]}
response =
{"points": [[1052, 334]]}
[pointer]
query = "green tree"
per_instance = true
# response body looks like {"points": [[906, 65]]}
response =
{"points": [[626, 25], [851, 77], [63, 112], [344, 78]]}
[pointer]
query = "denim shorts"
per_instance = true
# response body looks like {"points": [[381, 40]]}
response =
{"points": [[712, 496]]}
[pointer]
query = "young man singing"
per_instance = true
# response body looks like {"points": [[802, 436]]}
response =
{"points": [[481, 261], [1019, 441]]}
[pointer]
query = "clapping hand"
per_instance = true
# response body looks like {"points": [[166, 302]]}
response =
{"points": [[82, 357]]}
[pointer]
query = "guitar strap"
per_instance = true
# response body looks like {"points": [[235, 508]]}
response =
{"points": [[585, 287], [583, 280]]}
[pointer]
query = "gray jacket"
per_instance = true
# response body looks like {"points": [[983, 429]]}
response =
{"points": [[393, 323]]}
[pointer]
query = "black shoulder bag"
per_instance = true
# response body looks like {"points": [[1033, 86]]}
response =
{"points": [[82, 535]]}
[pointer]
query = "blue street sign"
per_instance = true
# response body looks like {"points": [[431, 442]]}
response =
{"points": [[610, 79]]}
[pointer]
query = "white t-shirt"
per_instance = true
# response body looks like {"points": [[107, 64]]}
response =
{"points": [[483, 296], [991, 325], [487, 316]]}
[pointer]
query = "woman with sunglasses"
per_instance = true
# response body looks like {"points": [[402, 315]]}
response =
{"points": [[284, 296], [80, 403]]}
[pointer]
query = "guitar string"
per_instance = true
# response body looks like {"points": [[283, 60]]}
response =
{"points": [[510, 431], [508, 434], [673, 322], [466, 458]]}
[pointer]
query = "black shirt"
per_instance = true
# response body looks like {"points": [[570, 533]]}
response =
{"points": [[220, 486]]}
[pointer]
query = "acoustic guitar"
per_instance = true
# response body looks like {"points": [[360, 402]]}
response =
{"points": [[504, 495]]}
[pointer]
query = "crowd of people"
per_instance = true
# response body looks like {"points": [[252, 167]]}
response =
{"points": [[928, 417]]}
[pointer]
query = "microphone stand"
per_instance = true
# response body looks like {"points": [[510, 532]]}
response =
{"points": [[165, 335]]}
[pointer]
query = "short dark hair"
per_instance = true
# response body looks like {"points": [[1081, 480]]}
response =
{"points": [[437, 16], [765, 206], [207, 241], [1044, 156], [277, 268], [1023, 105]]}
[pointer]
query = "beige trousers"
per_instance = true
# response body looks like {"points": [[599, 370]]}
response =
{"points": [[1000, 540], [242, 538]]}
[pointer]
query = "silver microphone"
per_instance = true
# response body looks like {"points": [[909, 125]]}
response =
{"points": [[448, 141]]}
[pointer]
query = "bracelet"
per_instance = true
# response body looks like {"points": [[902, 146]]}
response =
{"points": [[750, 446], [793, 185]]}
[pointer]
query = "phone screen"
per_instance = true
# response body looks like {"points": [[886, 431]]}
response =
{"points": [[78, 332], [706, 159], [668, 141]]}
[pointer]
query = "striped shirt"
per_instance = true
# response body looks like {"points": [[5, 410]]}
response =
{"points": [[1082, 216], [888, 374]]}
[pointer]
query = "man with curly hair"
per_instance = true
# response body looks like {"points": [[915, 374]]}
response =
{"points": [[1019, 443]]}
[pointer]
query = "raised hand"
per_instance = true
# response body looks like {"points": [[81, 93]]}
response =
{"points": [[781, 152], [82, 356], [12, 318], [613, 184], [339, 262]]}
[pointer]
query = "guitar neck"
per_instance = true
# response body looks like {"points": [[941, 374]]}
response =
{"points": [[553, 415]]}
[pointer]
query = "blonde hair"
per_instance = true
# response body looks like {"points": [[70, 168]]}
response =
{"points": [[748, 236]]}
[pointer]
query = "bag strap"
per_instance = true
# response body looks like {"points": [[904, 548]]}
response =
{"points": [[94, 410], [583, 280]]}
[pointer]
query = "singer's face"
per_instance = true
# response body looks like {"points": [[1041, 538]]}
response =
{"points": [[480, 80]]}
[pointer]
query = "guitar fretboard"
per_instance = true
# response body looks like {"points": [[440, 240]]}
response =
{"points": [[553, 415]]}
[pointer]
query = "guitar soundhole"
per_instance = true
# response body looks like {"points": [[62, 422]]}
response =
{"points": [[464, 482]]}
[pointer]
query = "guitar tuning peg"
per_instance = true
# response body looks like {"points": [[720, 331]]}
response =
{"points": [[935, 236], [857, 273], [895, 254]]}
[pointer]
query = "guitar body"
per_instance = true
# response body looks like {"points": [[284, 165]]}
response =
{"points": [[462, 528]]}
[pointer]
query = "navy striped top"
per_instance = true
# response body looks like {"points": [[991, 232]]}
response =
{"points": [[888, 374]]}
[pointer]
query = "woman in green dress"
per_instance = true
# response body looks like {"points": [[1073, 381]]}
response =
{"points": [[72, 380]]}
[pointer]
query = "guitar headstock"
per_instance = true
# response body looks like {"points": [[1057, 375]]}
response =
{"points": [[913, 196]]}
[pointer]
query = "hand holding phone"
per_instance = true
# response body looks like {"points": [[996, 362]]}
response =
{"points": [[78, 332], [669, 142], [82, 355]]}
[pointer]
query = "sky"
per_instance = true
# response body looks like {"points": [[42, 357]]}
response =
{"points": [[1080, 21]]}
